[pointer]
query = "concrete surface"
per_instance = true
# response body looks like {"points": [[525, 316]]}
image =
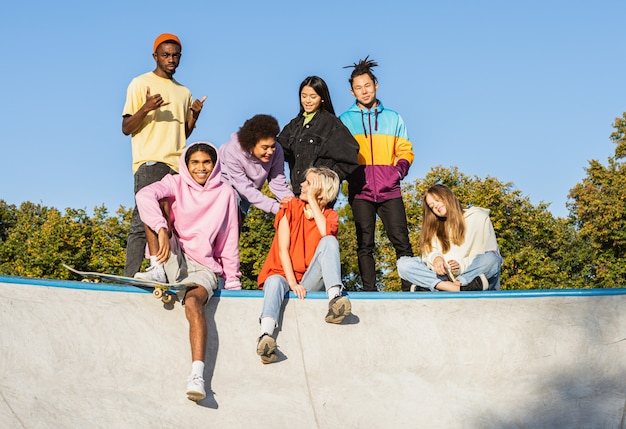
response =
{"points": [[110, 357]]}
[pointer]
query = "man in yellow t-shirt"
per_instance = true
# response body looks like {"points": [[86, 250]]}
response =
{"points": [[159, 114]]}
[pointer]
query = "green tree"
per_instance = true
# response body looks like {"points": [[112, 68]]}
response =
{"points": [[255, 240], [108, 244], [42, 238], [347, 243], [8, 218], [598, 206]]}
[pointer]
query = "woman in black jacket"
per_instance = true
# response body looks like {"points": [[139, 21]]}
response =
{"points": [[316, 137]]}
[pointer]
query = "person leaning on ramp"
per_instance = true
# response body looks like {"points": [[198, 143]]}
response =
{"points": [[304, 256]]}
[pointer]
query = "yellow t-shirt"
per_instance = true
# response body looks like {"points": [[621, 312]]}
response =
{"points": [[161, 136]]}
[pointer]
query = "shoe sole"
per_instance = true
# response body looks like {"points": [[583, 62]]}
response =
{"points": [[339, 310], [266, 349], [195, 395]]}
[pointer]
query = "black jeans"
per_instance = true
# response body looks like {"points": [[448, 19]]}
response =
{"points": [[393, 216], [136, 243]]}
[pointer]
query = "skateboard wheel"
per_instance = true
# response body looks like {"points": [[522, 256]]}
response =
{"points": [[167, 298], [158, 293]]}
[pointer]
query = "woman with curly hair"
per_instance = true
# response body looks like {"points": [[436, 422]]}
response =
{"points": [[250, 159], [459, 247], [316, 137]]}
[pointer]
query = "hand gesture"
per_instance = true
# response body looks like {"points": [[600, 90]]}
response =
{"points": [[153, 102], [196, 107]]}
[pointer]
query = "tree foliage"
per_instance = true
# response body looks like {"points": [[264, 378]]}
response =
{"points": [[255, 240], [598, 207], [38, 239]]}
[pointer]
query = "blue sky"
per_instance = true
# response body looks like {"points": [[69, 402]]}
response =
{"points": [[522, 91]]}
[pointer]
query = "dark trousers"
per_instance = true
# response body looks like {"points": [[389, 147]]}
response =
{"points": [[136, 243], [393, 216]]}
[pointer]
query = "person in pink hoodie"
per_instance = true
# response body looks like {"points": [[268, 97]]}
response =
{"points": [[196, 243]]}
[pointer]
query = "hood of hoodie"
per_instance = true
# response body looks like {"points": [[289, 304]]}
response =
{"points": [[474, 210], [374, 111], [214, 179]]}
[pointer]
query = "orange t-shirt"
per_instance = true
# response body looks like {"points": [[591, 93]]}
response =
{"points": [[303, 240]]}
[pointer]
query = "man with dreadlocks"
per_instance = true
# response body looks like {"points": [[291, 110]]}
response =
{"points": [[385, 156]]}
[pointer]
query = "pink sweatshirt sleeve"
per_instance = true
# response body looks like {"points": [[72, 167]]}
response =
{"points": [[227, 247], [147, 200]]}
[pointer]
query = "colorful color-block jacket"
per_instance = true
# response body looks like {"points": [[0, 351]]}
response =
{"points": [[385, 152]]}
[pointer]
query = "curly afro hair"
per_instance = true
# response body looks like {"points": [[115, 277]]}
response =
{"points": [[257, 128]]}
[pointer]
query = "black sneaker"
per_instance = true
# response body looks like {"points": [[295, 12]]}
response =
{"points": [[338, 308], [479, 283], [266, 348], [416, 288]]}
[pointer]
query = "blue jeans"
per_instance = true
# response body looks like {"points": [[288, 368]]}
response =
{"points": [[414, 270], [136, 244], [323, 273], [393, 216]]}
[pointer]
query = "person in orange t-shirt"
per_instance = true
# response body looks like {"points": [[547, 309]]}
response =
{"points": [[304, 256]]}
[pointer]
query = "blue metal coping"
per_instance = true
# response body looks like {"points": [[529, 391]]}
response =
{"points": [[533, 293]]}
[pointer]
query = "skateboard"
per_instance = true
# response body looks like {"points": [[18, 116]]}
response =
{"points": [[161, 291]]}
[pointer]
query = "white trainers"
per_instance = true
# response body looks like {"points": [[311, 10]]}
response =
{"points": [[156, 273], [195, 388]]}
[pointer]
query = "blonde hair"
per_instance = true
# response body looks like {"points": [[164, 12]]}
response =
{"points": [[329, 181], [448, 230]]}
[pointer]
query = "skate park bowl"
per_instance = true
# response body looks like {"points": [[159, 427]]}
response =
{"points": [[85, 355]]}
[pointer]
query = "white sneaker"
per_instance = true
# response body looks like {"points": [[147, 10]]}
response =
{"points": [[195, 388], [156, 273]]}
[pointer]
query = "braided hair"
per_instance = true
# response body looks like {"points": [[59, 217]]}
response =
{"points": [[364, 66]]}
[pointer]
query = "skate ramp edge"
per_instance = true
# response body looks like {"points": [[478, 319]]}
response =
{"points": [[76, 355]]}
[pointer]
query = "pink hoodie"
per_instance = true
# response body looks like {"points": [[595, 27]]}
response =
{"points": [[204, 218]]}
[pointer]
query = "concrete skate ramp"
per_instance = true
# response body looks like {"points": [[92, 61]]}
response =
{"points": [[107, 356]]}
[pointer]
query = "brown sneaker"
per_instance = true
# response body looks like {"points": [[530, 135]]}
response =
{"points": [[338, 308], [266, 348]]}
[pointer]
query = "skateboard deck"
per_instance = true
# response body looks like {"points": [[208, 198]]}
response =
{"points": [[159, 290]]}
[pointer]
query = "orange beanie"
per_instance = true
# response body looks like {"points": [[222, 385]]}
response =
{"points": [[165, 37]]}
